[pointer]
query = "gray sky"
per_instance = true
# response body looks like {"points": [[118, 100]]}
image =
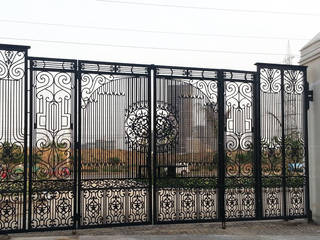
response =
{"points": [[206, 19]]}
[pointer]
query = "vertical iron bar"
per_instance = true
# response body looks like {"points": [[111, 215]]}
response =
{"points": [[149, 164], [257, 143], [76, 146], [154, 144], [283, 151], [30, 144], [221, 179], [79, 142], [306, 149], [25, 132]]}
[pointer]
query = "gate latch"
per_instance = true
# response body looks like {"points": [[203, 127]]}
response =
{"points": [[309, 98], [310, 95]]}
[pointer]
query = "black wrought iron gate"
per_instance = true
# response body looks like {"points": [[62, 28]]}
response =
{"points": [[114, 139], [86, 144]]}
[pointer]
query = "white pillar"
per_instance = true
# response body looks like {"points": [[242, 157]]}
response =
{"points": [[310, 56]]}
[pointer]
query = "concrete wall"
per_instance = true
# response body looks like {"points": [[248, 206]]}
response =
{"points": [[310, 56]]}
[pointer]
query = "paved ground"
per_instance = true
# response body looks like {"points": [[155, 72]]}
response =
{"points": [[275, 230]]}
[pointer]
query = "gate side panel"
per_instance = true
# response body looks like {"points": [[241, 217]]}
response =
{"points": [[51, 185], [295, 161], [283, 147], [240, 202], [13, 137], [186, 145], [115, 144]]}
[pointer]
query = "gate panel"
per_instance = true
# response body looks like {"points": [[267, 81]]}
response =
{"points": [[115, 181], [186, 144], [283, 131], [52, 173], [13, 137], [240, 202]]}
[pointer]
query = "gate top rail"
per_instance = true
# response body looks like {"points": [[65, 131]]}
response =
{"points": [[14, 47], [280, 66], [52, 64], [113, 68], [186, 72]]}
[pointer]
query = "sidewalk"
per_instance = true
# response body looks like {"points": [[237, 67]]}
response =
{"points": [[265, 230]]}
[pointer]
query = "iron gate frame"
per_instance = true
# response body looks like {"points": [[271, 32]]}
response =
{"points": [[21, 218], [114, 69], [57, 66], [153, 75]]}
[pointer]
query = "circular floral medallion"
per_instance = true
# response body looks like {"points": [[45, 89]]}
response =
{"points": [[137, 126]]}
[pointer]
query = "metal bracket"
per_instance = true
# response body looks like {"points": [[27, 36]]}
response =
{"points": [[309, 98], [310, 95]]}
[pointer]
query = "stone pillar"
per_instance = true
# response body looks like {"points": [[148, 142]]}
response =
{"points": [[310, 56]]}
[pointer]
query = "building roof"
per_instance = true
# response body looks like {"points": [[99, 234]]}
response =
{"points": [[315, 39]]}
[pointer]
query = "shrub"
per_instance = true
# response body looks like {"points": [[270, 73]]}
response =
{"points": [[114, 160]]}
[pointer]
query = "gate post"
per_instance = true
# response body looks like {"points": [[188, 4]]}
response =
{"points": [[151, 158], [257, 143], [308, 96], [221, 127]]}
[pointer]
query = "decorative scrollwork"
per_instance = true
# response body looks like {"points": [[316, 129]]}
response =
{"points": [[114, 68], [112, 183], [187, 73], [294, 154], [296, 203], [270, 80], [240, 203], [167, 205], [137, 126], [186, 204], [239, 155], [90, 83], [11, 211], [115, 206], [271, 157], [52, 155], [208, 204], [208, 88], [293, 82], [52, 209], [167, 127], [12, 65], [272, 202], [238, 75]]}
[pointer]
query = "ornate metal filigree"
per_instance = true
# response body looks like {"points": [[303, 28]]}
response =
{"points": [[186, 204], [12, 65], [115, 206], [189, 73], [296, 201], [240, 203], [270, 80], [293, 82], [52, 155], [90, 83], [239, 134], [52, 209], [137, 126], [272, 204]]}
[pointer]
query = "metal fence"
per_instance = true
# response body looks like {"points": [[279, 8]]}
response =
{"points": [[87, 144]]}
